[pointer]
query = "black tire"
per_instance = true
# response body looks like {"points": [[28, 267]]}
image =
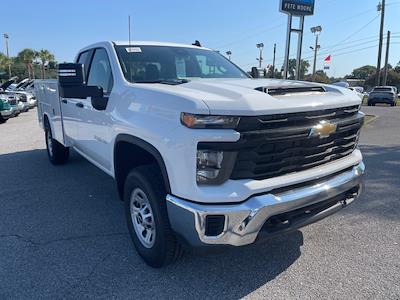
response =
{"points": [[57, 153], [3, 120], [165, 248]]}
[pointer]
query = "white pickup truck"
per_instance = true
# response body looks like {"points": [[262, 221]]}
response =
{"points": [[202, 154]]}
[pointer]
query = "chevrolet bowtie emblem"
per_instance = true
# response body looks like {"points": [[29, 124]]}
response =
{"points": [[323, 129]]}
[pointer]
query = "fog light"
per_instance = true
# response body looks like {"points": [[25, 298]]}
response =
{"points": [[209, 164]]}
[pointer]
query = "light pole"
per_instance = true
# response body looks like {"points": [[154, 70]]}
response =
{"points": [[229, 53], [273, 62], [6, 37], [317, 31], [260, 47]]}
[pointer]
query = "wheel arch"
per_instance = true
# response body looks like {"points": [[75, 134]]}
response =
{"points": [[46, 122], [146, 152]]}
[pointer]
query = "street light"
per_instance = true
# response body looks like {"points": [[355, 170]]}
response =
{"points": [[229, 53], [6, 37], [260, 46], [316, 31]]}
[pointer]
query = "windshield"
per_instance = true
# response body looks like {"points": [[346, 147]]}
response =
{"points": [[148, 64]]}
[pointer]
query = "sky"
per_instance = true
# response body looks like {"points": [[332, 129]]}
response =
{"points": [[350, 29]]}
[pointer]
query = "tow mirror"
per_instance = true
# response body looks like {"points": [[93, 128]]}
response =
{"points": [[71, 78], [71, 74]]}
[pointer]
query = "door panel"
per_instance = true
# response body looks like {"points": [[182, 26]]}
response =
{"points": [[94, 129]]}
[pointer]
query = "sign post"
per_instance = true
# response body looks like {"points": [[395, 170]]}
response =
{"points": [[298, 8]]}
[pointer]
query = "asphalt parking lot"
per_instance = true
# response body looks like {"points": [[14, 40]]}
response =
{"points": [[63, 234]]}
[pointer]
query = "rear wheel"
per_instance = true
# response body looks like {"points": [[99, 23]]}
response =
{"points": [[147, 217], [57, 153]]}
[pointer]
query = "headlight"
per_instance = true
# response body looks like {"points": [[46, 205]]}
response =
{"points": [[207, 121]]}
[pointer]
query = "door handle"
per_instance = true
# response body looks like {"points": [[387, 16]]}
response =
{"points": [[79, 104], [64, 101]]}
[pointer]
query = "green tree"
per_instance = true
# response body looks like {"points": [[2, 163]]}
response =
{"points": [[45, 57], [304, 65], [320, 76], [28, 56], [393, 79], [397, 68], [362, 72], [5, 63]]}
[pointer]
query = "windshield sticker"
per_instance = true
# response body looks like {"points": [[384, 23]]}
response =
{"points": [[133, 49]]}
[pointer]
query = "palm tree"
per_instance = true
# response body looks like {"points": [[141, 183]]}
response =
{"points": [[45, 57], [5, 62], [28, 56]]}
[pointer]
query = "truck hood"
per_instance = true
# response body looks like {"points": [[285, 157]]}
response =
{"points": [[249, 96]]}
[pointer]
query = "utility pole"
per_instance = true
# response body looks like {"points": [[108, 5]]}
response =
{"points": [[287, 50], [229, 53], [299, 48], [260, 47], [316, 30], [385, 74], [6, 37], [273, 62], [381, 8]]}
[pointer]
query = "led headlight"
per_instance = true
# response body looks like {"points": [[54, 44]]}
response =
{"points": [[208, 121]]}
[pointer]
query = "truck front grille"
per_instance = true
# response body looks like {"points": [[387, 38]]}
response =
{"points": [[276, 145]]}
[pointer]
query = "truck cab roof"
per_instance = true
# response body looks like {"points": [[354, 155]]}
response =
{"points": [[142, 43]]}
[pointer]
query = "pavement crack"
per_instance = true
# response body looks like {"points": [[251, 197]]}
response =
{"points": [[67, 239]]}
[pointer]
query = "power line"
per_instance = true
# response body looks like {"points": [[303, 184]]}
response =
{"points": [[221, 46]]}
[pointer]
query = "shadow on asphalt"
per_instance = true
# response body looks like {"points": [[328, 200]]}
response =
{"points": [[63, 232]]}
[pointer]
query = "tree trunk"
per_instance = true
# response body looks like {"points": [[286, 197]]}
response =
{"points": [[33, 71], [29, 70], [42, 70]]}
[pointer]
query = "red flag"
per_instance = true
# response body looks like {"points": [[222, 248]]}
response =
{"points": [[328, 59]]}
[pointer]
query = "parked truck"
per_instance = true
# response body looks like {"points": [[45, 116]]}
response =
{"points": [[203, 155]]}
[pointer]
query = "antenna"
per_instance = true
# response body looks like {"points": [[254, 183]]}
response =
{"points": [[129, 29]]}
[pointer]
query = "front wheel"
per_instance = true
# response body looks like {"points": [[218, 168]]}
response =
{"points": [[147, 217], [57, 153]]}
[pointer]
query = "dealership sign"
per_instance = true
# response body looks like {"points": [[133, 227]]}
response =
{"points": [[297, 7]]}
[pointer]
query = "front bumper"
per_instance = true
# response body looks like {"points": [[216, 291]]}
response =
{"points": [[243, 223], [5, 114], [32, 103]]}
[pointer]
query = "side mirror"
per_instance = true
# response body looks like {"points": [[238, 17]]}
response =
{"points": [[71, 74], [71, 78]]}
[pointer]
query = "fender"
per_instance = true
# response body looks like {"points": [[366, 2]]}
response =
{"points": [[150, 149]]}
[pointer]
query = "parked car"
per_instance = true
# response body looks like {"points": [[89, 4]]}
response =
{"points": [[202, 154], [27, 98], [383, 94], [6, 110], [358, 92], [14, 102]]}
